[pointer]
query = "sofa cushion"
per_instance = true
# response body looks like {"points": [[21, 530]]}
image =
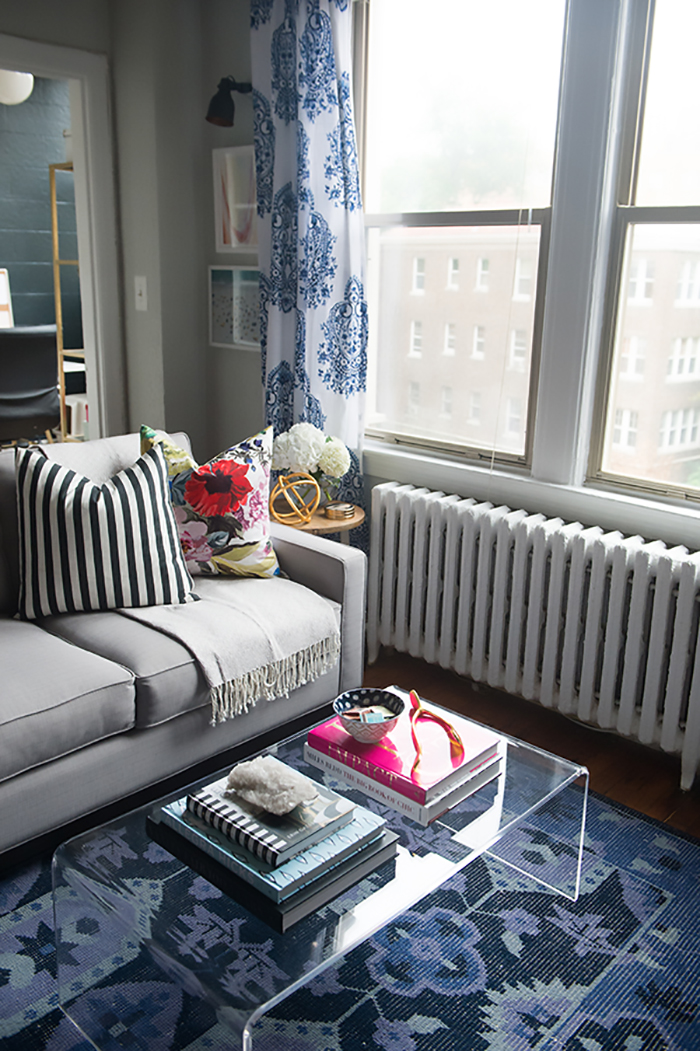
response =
{"points": [[168, 679], [85, 546], [55, 698], [222, 507]]}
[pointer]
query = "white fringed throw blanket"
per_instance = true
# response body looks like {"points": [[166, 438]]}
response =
{"points": [[253, 638]]}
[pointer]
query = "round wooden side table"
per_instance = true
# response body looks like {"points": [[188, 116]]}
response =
{"points": [[320, 525]]}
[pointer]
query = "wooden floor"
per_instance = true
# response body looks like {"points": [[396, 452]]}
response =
{"points": [[639, 777]]}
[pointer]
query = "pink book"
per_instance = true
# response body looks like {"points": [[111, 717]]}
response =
{"points": [[391, 760]]}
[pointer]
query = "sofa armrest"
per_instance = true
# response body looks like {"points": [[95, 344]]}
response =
{"points": [[338, 572]]}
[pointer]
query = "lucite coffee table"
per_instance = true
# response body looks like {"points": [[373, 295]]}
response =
{"points": [[139, 934]]}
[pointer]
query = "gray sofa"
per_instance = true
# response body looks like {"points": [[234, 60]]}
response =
{"points": [[95, 707]]}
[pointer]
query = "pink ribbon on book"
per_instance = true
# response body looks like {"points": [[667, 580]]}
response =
{"points": [[419, 712]]}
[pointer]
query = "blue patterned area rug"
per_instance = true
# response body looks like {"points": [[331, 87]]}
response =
{"points": [[490, 962]]}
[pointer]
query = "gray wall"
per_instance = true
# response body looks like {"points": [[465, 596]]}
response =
{"points": [[235, 388]]}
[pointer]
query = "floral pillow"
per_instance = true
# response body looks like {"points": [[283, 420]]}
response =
{"points": [[222, 507]]}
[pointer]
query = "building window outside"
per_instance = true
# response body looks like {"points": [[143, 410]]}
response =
{"points": [[523, 279], [482, 275], [683, 361], [514, 416], [418, 285], [625, 430], [474, 407], [446, 402], [518, 349], [450, 344], [679, 428], [688, 292], [633, 357], [641, 281], [413, 398], [415, 347], [453, 273], [479, 342]]}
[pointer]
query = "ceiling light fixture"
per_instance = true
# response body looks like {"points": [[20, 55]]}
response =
{"points": [[15, 87]]}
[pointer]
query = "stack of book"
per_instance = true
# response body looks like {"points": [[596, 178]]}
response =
{"points": [[279, 868], [386, 769]]}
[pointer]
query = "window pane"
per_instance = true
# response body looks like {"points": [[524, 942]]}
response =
{"points": [[652, 430], [670, 153], [477, 345], [462, 104]]}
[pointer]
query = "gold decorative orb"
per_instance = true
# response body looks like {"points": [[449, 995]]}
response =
{"points": [[294, 498]]}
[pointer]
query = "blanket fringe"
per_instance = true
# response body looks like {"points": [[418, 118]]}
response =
{"points": [[273, 680]]}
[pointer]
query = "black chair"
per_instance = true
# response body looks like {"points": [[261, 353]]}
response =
{"points": [[29, 399]]}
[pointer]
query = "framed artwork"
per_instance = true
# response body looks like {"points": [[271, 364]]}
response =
{"points": [[234, 307], [235, 203]]}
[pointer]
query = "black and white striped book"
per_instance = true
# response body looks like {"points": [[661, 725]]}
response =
{"points": [[275, 839]]}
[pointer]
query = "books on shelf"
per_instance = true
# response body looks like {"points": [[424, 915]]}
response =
{"points": [[422, 813], [275, 882], [274, 839], [311, 897], [390, 761]]}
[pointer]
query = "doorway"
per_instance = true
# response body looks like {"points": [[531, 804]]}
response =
{"points": [[93, 313]]}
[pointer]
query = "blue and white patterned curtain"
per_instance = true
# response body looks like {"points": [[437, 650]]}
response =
{"points": [[310, 225]]}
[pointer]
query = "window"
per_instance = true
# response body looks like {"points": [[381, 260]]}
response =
{"points": [[641, 281], [632, 358], [523, 278], [482, 173], [656, 236], [446, 402], [683, 362], [518, 349], [413, 397], [482, 275], [625, 431], [450, 339], [679, 427], [415, 347], [514, 416], [479, 342], [475, 406], [418, 275], [688, 293], [596, 257]]}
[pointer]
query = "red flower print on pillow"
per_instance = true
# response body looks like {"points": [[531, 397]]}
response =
{"points": [[218, 488]]}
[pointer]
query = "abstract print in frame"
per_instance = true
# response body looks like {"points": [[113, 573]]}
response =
{"points": [[235, 202], [234, 307]]}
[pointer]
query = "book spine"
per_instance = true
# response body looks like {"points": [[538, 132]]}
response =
{"points": [[199, 840], [246, 834], [396, 784], [380, 791]]}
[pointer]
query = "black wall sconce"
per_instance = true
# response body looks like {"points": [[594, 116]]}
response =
{"points": [[221, 107]]}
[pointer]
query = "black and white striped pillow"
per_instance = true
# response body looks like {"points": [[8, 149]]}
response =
{"points": [[86, 546]]}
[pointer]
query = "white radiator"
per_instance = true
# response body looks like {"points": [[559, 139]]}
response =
{"points": [[597, 625]]}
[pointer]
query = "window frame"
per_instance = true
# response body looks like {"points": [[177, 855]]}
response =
{"points": [[601, 63], [514, 217]]}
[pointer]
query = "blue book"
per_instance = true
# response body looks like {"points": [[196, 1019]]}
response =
{"points": [[281, 881]]}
